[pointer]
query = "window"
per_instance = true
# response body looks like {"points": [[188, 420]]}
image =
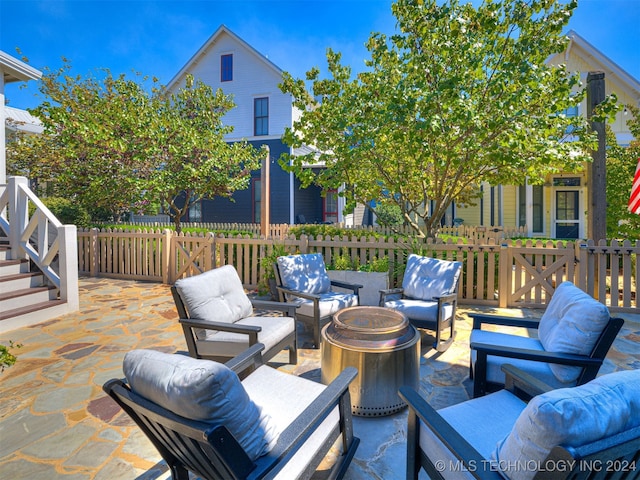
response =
{"points": [[261, 116], [330, 207], [536, 207], [226, 68], [257, 200]]}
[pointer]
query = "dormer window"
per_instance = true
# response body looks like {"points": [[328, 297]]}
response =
{"points": [[226, 68]]}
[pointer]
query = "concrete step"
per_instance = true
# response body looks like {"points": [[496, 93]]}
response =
{"points": [[15, 299]]}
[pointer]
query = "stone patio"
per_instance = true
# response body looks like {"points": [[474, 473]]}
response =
{"points": [[56, 422]]}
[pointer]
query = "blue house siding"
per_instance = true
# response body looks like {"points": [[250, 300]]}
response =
{"points": [[241, 208]]}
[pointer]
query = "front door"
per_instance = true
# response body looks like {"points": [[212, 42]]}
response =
{"points": [[567, 214]]}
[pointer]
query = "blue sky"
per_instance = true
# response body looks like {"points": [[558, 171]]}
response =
{"points": [[158, 37]]}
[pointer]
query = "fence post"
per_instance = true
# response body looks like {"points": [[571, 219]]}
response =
{"points": [[94, 253], [581, 268], [68, 248], [167, 256], [504, 279]]}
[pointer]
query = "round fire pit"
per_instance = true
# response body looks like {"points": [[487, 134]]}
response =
{"points": [[383, 346]]}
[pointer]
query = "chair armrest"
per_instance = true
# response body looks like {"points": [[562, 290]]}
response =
{"points": [[476, 465], [452, 297], [302, 428], [295, 293], [349, 286], [221, 326], [389, 291], [287, 308], [535, 355], [251, 357], [479, 319], [517, 380]]}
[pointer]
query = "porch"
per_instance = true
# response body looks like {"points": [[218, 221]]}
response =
{"points": [[55, 421]]}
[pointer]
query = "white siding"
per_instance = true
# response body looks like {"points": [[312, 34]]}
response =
{"points": [[253, 77]]}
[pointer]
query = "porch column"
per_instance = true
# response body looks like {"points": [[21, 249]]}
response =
{"points": [[597, 180]]}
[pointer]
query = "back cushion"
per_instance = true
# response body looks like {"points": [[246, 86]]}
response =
{"points": [[201, 390], [304, 273], [572, 323], [570, 417], [216, 295], [425, 277]]}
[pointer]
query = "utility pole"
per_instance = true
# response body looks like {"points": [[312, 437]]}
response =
{"points": [[597, 178], [265, 193]]}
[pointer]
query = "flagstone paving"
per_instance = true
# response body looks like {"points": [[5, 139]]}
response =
{"points": [[55, 420]]}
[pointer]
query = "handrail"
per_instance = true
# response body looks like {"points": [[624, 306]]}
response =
{"points": [[41, 237]]}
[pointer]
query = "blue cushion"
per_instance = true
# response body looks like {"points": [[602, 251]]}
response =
{"points": [[201, 390], [571, 323], [426, 277], [216, 295], [570, 417], [304, 273]]}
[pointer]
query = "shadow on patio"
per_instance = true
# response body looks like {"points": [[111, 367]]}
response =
{"points": [[55, 420]]}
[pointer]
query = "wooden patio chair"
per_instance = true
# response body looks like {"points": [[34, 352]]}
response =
{"points": [[591, 431], [202, 419], [220, 321], [573, 338]]}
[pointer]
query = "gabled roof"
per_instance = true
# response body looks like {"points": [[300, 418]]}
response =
{"points": [[13, 70], [222, 29], [21, 120], [605, 64]]}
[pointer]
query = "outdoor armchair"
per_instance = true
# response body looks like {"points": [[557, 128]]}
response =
{"points": [[202, 419], [219, 321], [303, 281], [428, 297], [573, 338], [591, 431]]}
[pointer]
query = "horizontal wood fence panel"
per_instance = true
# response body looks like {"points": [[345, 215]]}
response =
{"points": [[496, 272]]}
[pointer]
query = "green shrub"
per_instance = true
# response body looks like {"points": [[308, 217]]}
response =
{"points": [[389, 215], [68, 212]]}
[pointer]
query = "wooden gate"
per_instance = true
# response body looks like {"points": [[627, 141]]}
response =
{"points": [[532, 272]]}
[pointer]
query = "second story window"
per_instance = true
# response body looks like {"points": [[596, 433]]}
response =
{"points": [[226, 68], [261, 116]]}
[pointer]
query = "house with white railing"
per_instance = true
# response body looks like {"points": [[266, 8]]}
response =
{"points": [[38, 255]]}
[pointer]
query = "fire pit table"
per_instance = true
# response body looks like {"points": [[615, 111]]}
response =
{"points": [[383, 346]]}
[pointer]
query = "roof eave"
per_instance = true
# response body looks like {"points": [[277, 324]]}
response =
{"points": [[14, 70]]}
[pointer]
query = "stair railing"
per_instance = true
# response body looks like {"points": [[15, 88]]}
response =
{"points": [[40, 237]]}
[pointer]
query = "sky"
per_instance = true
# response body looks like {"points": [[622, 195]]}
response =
{"points": [[158, 38]]}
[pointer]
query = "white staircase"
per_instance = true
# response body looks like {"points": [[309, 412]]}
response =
{"points": [[38, 260], [26, 298]]}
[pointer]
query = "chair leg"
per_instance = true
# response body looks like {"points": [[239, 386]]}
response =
{"points": [[293, 355]]}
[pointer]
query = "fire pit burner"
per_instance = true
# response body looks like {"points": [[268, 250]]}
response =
{"points": [[383, 346]]}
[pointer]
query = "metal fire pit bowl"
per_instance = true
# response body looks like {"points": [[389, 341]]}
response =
{"points": [[383, 346]]}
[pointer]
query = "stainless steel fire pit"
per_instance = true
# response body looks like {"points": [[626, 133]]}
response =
{"points": [[383, 346]]}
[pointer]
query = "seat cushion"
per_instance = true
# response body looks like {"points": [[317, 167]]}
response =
{"points": [[294, 394], [570, 417], [540, 370], [216, 295], [227, 344], [483, 422], [422, 313], [572, 323], [304, 273], [201, 390], [330, 303], [426, 277]]}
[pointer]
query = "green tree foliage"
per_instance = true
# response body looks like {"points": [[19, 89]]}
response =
{"points": [[115, 144], [621, 168], [458, 96]]}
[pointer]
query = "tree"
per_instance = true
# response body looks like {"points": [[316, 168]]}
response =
{"points": [[115, 143], [458, 96], [621, 167]]}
